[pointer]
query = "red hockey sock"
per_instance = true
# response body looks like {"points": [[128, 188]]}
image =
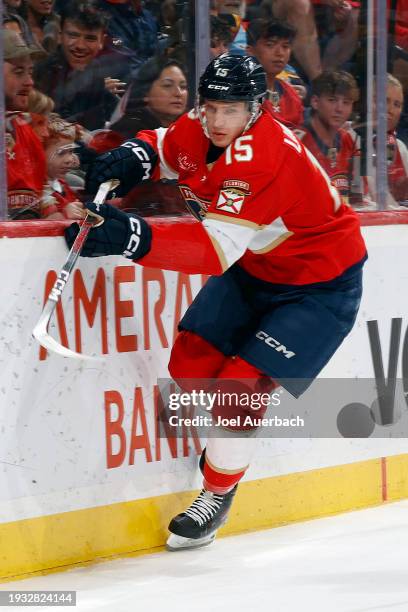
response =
{"points": [[194, 362], [220, 481]]}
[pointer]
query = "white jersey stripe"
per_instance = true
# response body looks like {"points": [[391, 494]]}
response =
{"points": [[233, 239], [166, 171], [269, 236]]}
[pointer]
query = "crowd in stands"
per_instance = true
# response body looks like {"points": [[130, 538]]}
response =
{"points": [[82, 76]]}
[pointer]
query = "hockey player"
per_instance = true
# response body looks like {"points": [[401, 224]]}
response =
{"points": [[284, 253]]}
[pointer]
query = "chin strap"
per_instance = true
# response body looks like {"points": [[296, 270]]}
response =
{"points": [[255, 109], [203, 119]]}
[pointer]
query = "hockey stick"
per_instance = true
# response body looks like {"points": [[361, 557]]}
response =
{"points": [[40, 331]]}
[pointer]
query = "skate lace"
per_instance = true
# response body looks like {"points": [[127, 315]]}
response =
{"points": [[204, 507]]}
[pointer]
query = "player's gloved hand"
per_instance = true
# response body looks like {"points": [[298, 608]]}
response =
{"points": [[120, 234], [131, 163]]}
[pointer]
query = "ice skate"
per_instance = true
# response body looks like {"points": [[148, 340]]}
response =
{"points": [[198, 525]]}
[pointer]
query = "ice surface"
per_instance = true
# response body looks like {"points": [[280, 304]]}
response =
{"points": [[355, 562]]}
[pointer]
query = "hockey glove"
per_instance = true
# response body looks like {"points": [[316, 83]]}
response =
{"points": [[120, 234], [131, 163]]}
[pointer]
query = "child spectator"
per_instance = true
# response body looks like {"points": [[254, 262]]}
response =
{"points": [[332, 96], [59, 201], [270, 41]]}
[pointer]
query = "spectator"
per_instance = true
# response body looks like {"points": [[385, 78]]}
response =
{"points": [[158, 97], [397, 150], [26, 170], [132, 32], [232, 12], [221, 36], [43, 22], [332, 97], [397, 153], [71, 76], [270, 41], [59, 201]]}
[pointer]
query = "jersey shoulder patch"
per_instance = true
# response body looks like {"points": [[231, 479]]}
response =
{"points": [[232, 196]]}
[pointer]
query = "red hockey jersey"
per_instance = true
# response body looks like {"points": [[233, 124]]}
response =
{"points": [[266, 201], [337, 161], [26, 168]]}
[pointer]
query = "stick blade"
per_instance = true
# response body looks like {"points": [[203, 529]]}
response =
{"points": [[48, 342]]}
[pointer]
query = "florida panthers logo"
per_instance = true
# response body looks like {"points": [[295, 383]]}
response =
{"points": [[197, 207]]}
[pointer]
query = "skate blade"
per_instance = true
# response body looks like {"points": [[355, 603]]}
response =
{"points": [[175, 542]]}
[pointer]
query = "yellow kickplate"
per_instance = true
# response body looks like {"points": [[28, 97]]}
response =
{"points": [[58, 541]]}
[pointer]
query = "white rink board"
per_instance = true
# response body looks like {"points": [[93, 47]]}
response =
{"points": [[53, 455]]}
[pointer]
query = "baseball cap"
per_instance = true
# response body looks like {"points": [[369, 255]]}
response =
{"points": [[14, 47]]}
